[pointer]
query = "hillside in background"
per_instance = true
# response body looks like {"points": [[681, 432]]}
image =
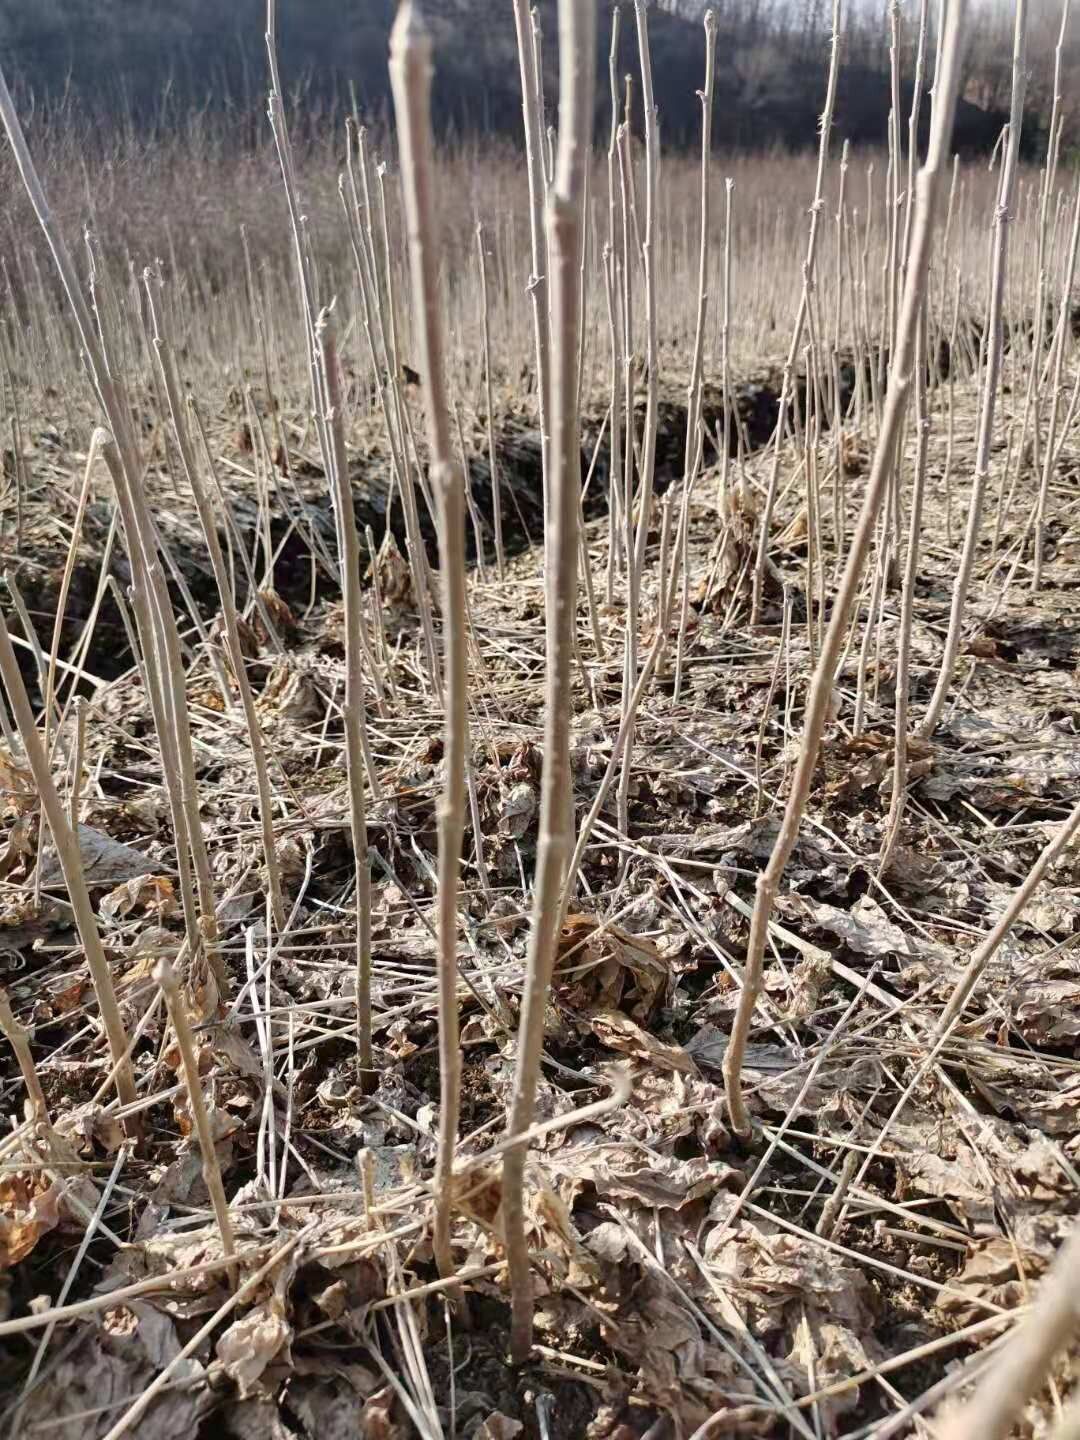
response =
{"points": [[152, 60]]}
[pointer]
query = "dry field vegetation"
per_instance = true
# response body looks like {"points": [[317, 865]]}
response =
{"points": [[540, 762]]}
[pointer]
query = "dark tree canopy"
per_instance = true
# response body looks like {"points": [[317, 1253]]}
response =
{"points": [[155, 58]]}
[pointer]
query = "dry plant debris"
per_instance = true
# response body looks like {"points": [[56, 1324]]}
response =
{"points": [[876, 1239]]}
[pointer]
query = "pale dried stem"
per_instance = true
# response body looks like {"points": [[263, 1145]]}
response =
{"points": [[67, 850], [28, 628], [376, 294], [638, 537], [422, 579], [410, 74], [19, 1039], [725, 354], [358, 760], [907, 606], [577, 37], [493, 466], [1058, 361], [537, 286], [692, 450], [615, 527], [1033, 396], [649, 257], [165, 976], [913, 126], [77, 760]]}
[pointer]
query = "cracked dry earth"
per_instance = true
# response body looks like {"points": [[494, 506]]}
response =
{"points": [[841, 1269]]}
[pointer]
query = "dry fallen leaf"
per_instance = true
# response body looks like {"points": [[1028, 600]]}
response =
{"points": [[18, 793], [618, 1032], [996, 1272], [631, 1172], [518, 810], [86, 1389], [498, 1426], [377, 1420], [105, 861], [865, 928], [251, 1343], [152, 895], [29, 1208], [603, 966]]}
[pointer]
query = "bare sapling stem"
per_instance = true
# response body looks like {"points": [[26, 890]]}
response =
{"points": [[1033, 397], [537, 286], [913, 125], [625, 269], [950, 434], [32, 640], [820, 691], [577, 40], [616, 527], [787, 383], [19, 1039], [630, 456], [584, 560], [67, 851], [694, 387], [893, 258], [410, 73], [77, 760], [907, 604], [877, 591], [611, 288], [646, 247], [945, 268], [357, 760], [725, 353], [493, 463], [774, 680], [648, 255], [470, 503], [991, 374], [165, 976], [421, 570], [1058, 361], [546, 151]]}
